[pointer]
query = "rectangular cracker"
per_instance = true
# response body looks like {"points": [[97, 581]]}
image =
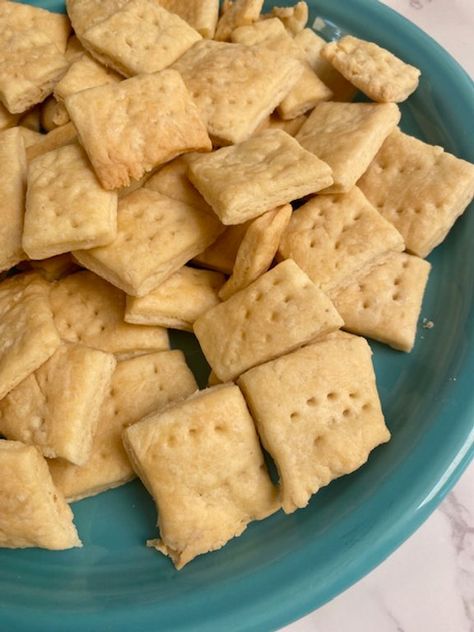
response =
{"points": [[202, 463], [202, 15], [16, 16], [34, 513], [385, 304], [236, 87], [84, 73], [379, 74], [318, 414], [177, 302], [221, 254], [243, 181], [140, 386], [234, 14], [56, 138], [419, 188], [280, 311], [66, 207], [29, 336], [347, 137], [57, 407], [88, 310], [131, 127], [337, 238], [156, 237], [12, 198]]}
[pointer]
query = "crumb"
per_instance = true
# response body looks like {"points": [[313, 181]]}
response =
{"points": [[319, 24], [427, 324]]}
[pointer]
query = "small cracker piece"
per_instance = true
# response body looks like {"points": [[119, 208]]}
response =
{"points": [[34, 513], [337, 238], [234, 14], [66, 208], [88, 310], [280, 311], [347, 136], [56, 138], [84, 73], [257, 250], [385, 304], [318, 414], [7, 119], [177, 302], [85, 13], [419, 188], [376, 72], [221, 254], [140, 386], [131, 127], [156, 237], [243, 181], [293, 18], [202, 463], [57, 407], [202, 15]]}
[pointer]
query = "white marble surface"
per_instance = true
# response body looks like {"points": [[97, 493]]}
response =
{"points": [[427, 585]]}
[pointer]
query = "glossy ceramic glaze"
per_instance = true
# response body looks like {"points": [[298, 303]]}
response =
{"points": [[287, 565]]}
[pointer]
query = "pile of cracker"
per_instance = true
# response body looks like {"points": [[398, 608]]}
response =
{"points": [[169, 167]]}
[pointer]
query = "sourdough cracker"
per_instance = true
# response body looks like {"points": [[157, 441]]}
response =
{"points": [[85, 72], [56, 138], [234, 14], [202, 15], [19, 17], [221, 254]]}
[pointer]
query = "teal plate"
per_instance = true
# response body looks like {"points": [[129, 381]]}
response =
{"points": [[285, 566]]}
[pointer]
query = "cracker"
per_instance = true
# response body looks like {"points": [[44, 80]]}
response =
{"points": [[12, 198], [131, 127], [86, 13], [294, 18], [305, 95], [56, 138], [347, 136], [15, 16], [318, 414], [57, 407], [202, 463], [55, 268], [376, 72], [140, 386], [235, 14], [156, 237], [74, 49], [243, 181], [337, 238], [200, 14], [90, 311], [291, 127], [221, 254], [52, 111], [257, 249], [30, 137], [66, 208], [385, 304], [419, 188], [236, 87], [34, 513], [7, 119], [279, 312], [177, 302], [27, 329], [84, 73]]}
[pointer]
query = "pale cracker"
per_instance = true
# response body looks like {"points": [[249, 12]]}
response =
{"points": [[243, 181], [202, 463], [156, 237], [131, 127], [84, 73], [419, 188], [55, 268], [294, 18], [280, 311], [234, 14], [56, 138], [221, 254], [257, 250], [88, 310], [337, 238], [318, 414], [140, 386], [16, 16], [85, 13], [347, 136], [202, 15], [7, 119], [177, 302], [34, 513], [376, 72]]}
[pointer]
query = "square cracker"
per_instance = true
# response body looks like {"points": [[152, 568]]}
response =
{"points": [[156, 237], [318, 414], [88, 310], [243, 181], [279, 312], [12, 198], [27, 331], [336, 239], [221, 254], [177, 302], [376, 72], [419, 188], [236, 13], [257, 250], [18, 17], [85, 13], [57, 407], [131, 127], [56, 138], [66, 207], [347, 136], [84, 73], [140, 386], [201, 461], [202, 15], [236, 87], [385, 304], [34, 513]]}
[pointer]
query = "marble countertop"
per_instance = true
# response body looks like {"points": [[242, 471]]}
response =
{"points": [[427, 585]]}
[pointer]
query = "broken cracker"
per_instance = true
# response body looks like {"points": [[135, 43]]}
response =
{"points": [[202, 15], [234, 14]]}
